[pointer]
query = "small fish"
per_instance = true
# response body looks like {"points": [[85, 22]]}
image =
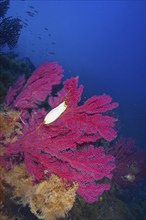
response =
{"points": [[46, 29], [53, 43], [100, 198], [52, 53], [31, 7], [130, 177], [30, 13]]}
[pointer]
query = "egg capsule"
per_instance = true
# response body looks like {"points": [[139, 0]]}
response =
{"points": [[55, 113]]}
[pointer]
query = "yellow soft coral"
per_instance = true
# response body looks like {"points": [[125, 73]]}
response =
{"points": [[10, 125], [52, 198], [48, 200], [20, 182]]}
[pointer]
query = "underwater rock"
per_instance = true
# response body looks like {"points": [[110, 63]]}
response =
{"points": [[11, 67]]}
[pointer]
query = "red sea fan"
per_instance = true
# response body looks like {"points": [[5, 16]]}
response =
{"points": [[38, 86], [66, 146], [14, 90]]}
